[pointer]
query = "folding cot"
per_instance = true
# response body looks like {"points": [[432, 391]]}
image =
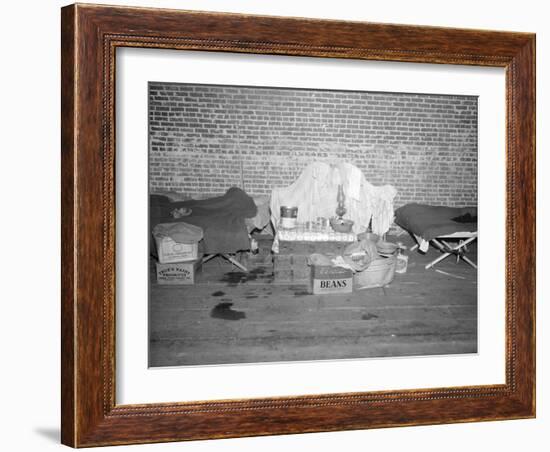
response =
{"points": [[438, 225]]}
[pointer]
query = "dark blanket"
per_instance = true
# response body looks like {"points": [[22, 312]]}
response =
{"points": [[221, 219], [430, 222]]}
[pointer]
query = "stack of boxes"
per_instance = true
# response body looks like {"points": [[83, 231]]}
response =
{"points": [[178, 263], [290, 264], [262, 256], [290, 268]]}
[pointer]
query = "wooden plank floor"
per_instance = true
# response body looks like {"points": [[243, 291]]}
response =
{"points": [[232, 317]]}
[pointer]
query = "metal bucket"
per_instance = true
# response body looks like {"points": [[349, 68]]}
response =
{"points": [[379, 273]]}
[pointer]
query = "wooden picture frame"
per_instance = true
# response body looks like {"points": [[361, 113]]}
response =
{"points": [[90, 36]]}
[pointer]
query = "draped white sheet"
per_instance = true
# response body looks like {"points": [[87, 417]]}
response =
{"points": [[315, 190]]}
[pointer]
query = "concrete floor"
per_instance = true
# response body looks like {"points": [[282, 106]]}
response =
{"points": [[234, 317]]}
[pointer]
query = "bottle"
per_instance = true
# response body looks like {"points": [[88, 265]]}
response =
{"points": [[402, 260]]}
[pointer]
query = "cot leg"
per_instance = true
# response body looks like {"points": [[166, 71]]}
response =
{"points": [[417, 244], [468, 261], [458, 248], [447, 248], [207, 258], [462, 245], [466, 242], [439, 259], [235, 262], [440, 245], [447, 244]]}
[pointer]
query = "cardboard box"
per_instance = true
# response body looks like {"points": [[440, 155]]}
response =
{"points": [[331, 280], [170, 251], [178, 273]]}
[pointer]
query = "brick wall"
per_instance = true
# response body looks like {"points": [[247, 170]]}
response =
{"points": [[204, 139]]}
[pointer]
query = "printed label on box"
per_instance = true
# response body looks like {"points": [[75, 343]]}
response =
{"points": [[177, 273], [170, 251], [323, 286]]}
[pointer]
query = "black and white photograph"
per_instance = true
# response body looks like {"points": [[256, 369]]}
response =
{"points": [[304, 224], [237, 225]]}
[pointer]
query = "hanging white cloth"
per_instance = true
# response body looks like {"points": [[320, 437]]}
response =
{"points": [[315, 191]]}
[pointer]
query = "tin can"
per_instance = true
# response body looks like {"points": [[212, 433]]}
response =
{"points": [[289, 217]]}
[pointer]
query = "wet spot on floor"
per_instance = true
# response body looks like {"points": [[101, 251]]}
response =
{"points": [[259, 274], [224, 311], [257, 271], [235, 278], [251, 296], [219, 293], [369, 316]]}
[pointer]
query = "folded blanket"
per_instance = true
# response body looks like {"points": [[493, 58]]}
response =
{"points": [[429, 222], [222, 218]]}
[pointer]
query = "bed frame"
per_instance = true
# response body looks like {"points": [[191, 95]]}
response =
{"points": [[448, 249]]}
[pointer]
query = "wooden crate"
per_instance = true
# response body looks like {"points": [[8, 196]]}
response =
{"points": [[265, 243], [290, 268], [254, 260], [290, 264], [263, 255], [307, 248]]}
